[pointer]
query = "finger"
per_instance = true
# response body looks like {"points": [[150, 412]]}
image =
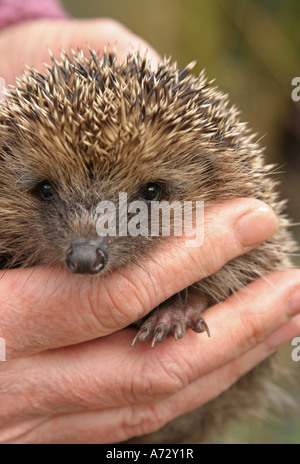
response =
{"points": [[108, 373], [105, 34], [110, 33], [212, 385], [47, 308], [118, 424], [66, 35]]}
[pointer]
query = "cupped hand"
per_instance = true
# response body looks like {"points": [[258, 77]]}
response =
{"points": [[29, 42], [71, 375]]}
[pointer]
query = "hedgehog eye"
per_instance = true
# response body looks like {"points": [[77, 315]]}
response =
{"points": [[45, 190], [151, 192]]}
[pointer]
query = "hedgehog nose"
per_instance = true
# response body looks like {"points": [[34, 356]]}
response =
{"points": [[86, 256]]}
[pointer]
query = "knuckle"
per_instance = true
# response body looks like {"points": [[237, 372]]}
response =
{"points": [[136, 296], [163, 376], [98, 307], [213, 255], [142, 420], [112, 28], [253, 332]]}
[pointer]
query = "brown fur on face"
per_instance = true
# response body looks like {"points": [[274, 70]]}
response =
{"points": [[93, 128]]}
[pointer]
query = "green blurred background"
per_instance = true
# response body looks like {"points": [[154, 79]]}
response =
{"points": [[252, 48]]}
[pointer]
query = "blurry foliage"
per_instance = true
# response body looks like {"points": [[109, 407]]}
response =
{"points": [[252, 48]]}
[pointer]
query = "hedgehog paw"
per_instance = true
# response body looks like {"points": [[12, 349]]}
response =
{"points": [[170, 321]]}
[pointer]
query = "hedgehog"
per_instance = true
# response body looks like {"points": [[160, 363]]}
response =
{"points": [[89, 128]]}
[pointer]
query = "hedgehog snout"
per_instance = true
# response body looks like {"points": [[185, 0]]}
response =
{"points": [[86, 256]]}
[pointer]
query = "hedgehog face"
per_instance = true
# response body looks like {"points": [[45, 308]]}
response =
{"points": [[88, 131], [53, 215], [48, 220]]}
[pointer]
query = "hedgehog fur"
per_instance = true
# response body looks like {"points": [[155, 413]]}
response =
{"points": [[91, 128]]}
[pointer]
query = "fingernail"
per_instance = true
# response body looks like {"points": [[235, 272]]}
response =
{"points": [[256, 226], [294, 303]]}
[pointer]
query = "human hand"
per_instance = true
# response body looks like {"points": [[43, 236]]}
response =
{"points": [[29, 42], [71, 374]]}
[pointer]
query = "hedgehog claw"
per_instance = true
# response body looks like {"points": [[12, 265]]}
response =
{"points": [[178, 330], [172, 321], [202, 327], [160, 335], [139, 336]]}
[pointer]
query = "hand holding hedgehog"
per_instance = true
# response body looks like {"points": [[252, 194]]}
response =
{"points": [[103, 391], [82, 399]]}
